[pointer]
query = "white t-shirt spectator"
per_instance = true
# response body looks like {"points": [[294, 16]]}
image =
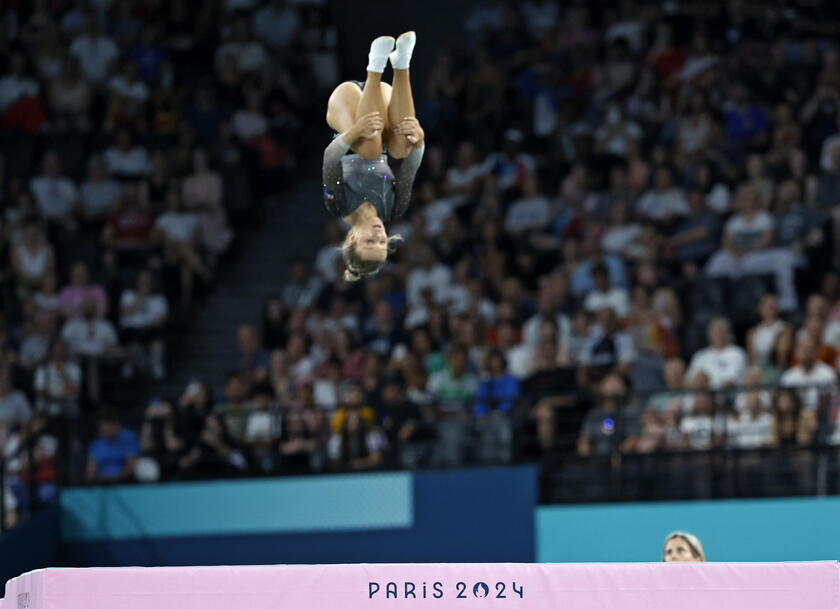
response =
{"points": [[55, 196], [95, 55], [615, 299], [134, 162], [260, 426], [527, 214], [100, 197], [436, 214], [531, 329], [248, 125], [13, 87], [663, 206], [748, 433], [276, 28], [720, 365], [325, 262], [177, 226], [699, 431], [93, 337], [438, 279], [460, 178], [50, 382], [14, 409], [250, 56], [136, 91], [810, 382], [150, 310], [746, 233]]}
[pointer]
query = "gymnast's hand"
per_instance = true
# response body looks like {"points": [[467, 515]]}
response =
{"points": [[367, 127], [411, 129]]}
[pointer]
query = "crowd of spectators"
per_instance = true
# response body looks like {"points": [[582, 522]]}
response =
{"points": [[136, 136], [624, 238]]}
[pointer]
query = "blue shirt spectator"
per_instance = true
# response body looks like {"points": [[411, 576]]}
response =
{"points": [[111, 455], [500, 390]]}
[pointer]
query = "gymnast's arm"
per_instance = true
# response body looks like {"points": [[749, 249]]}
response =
{"points": [[332, 175], [405, 179]]}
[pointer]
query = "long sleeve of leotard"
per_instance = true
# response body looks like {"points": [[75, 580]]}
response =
{"points": [[405, 180], [333, 176]]}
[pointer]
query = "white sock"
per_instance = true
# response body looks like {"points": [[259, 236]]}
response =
{"points": [[378, 56], [405, 46]]}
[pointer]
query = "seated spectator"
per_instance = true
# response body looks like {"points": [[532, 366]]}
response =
{"points": [[236, 408], [747, 241], [58, 383], [658, 432], [752, 386], [128, 97], [112, 454], [616, 132], [127, 160], [454, 389], [94, 50], [792, 424], [100, 193], [404, 424], [751, 427], [128, 232], [302, 438], [606, 295], [428, 273], [81, 292], [674, 386], [764, 337], [356, 443], [46, 298], [178, 231], [609, 427], [32, 439], [38, 333], [55, 194], [696, 237], [15, 409], [253, 359], [530, 212], [608, 349], [665, 203], [203, 192], [702, 428], [463, 179], [798, 227], [302, 367], [722, 361], [160, 443], [248, 53], [212, 453], [16, 84], [143, 316], [811, 377], [33, 259], [495, 400], [70, 98], [262, 429], [302, 287], [94, 339]]}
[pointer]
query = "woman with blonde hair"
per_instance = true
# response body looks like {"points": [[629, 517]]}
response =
{"points": [[372, 119], [683, 547]]}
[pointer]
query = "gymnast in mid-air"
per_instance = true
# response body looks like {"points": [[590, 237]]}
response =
{"points": [[373, 120]]}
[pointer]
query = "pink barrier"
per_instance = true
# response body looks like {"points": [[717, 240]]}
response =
{"points": [[533, 586]]}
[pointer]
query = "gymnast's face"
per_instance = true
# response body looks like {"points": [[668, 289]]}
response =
{"points": [[371, 240], [678, 550]]}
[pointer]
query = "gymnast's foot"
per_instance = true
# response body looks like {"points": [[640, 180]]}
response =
{"points": [[401, 58], [378, 56]]}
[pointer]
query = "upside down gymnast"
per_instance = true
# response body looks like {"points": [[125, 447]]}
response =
{"points": [[373, 120]]}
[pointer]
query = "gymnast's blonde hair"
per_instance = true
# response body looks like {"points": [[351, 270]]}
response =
{"points": [[693, 542], [358, 267]]}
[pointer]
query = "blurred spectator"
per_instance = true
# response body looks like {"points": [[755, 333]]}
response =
{"points": [[55, 194], [212, 452], [763, 338], [723, 362], [235, 410], [15, 409], [81, 292], [58, 383], [33, 259], [702, 428], [811, 377], [356, 443], [100, 193], [125, 159], [495, 400], [30, 461], [302, 287], [160, 443], [454, 390], [94, 340], [112, 454], [94, 50], [203, 190], [143, 316], [610, 426], [607, 349], [605, 295]]}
